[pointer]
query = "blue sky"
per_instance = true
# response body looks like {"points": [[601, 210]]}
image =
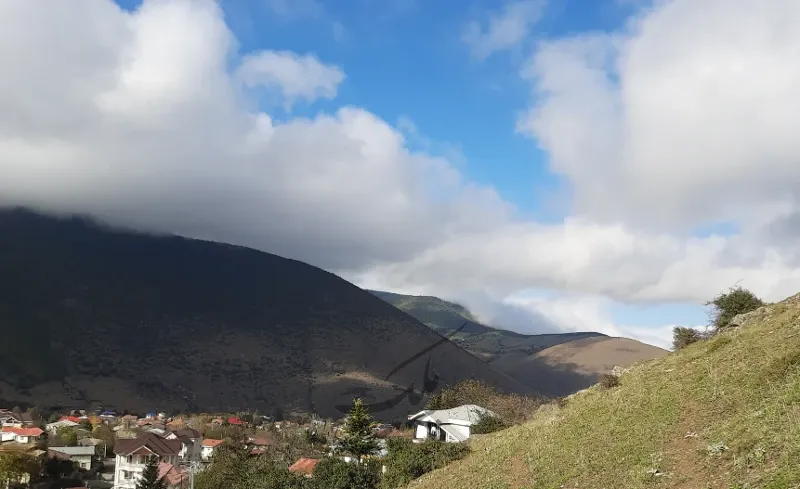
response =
{"points": [[407, 61]]}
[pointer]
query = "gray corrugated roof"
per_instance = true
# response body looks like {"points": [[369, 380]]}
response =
{"points": [[73, 450], [470, 413]]}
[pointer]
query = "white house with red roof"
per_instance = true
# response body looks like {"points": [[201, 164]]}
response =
{"points": [[208, 447], [21, 435]]}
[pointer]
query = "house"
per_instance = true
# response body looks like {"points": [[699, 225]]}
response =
{"points": [[129, 419], [82, 456], [235, 421], [132, 456], [261, 441], [27, 420], [53, 428], [450, 425], [176, 424], [21, 435], [304, 466], [175, 476], [208, 447], [191, 443], [10, 420]]}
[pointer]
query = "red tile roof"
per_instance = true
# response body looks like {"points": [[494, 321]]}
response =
{"points": [[235, 420], [24, 431], [304, 466], [152, 442], [172, 474], [262, 441], [210, 442], [74, 419]]}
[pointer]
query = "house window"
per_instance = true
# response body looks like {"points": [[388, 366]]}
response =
{"points": [[129, 459]]}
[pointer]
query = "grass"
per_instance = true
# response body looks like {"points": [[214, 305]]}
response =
{"points": [[723, 413]]}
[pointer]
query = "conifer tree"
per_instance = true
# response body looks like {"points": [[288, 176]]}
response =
{"points": [[359, 439], [150, 479]]}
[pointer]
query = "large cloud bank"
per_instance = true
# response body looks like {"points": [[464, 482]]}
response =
{"points": [[684, 120]]}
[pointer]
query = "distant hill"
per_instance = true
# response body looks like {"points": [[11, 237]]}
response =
{"points": [[93, 315], [574, 365], [551, 364], [720, 414]]}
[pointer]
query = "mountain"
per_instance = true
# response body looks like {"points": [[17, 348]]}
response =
{"points": [[460, 325], [573, 365], [551, 364], [720, 413], [95, 315]]}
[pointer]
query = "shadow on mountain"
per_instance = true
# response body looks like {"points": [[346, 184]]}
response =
{"points": [[554, 380]]}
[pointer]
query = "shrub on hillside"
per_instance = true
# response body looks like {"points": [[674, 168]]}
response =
{"points": [[488, 424], [736, 301], [234, 468], [682, 337], [609, 381], [512, 408], [335, 473], [407, 460]]}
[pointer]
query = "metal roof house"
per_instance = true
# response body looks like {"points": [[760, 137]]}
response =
{"points": [[449, 425]]}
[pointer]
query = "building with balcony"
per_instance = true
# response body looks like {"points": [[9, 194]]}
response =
{"points": [[133, 454]]}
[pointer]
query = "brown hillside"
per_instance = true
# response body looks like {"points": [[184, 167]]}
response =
{"points": [[569, 367]]}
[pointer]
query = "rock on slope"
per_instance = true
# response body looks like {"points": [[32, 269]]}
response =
{"points": [[720, 414], [133, 321]]}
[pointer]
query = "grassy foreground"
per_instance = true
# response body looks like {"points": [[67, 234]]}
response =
{"points": [[724, 413]]}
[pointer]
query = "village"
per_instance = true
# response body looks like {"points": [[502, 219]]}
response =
{"points": [[102, 449]]}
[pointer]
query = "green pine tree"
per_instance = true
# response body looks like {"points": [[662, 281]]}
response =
{"points": [[359, 439], [150, 479]]}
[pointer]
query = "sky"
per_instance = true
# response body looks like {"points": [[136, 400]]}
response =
{"points": [[563, 165]]}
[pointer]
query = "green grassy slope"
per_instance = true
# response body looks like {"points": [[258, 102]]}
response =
{"points": [[724, 413]]}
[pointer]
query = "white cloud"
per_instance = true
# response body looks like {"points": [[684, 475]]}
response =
{"points": [[504, 29], [139, 119], [699, 96], [295, 76]]}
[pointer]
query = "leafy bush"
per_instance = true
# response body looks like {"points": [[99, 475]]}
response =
{"points": [[488, 424], [335, 473], [736, 301], [234, 468], [609, 381], [407, 460], [682, 337], [512, 408]]}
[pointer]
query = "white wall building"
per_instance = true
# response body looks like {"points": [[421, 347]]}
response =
{"points": [[82, 456], [208, 447], [449, 425], [133, 454]]}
